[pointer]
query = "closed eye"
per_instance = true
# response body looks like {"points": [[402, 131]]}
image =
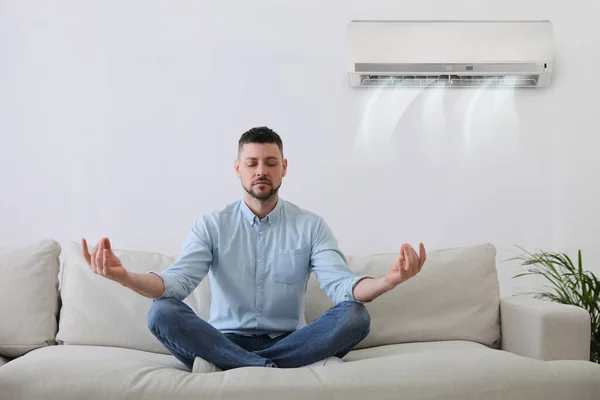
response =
{"points": [[268, 164]]}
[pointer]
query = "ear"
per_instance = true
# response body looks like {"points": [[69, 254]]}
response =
{"points": [[236, 167], [284, 164]]}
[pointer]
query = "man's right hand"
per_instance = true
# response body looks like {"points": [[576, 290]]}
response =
{"points": [[104, 262]]}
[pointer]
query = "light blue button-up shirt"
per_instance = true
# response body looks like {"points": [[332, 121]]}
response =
{"points": [[259, 269]]}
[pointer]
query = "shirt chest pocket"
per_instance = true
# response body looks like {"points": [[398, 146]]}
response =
{"points": [[291, 265]]}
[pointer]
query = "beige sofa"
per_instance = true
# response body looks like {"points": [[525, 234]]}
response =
{"points": [[445, 334]]}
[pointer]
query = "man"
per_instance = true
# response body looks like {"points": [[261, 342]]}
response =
{"points": [[259, 253]]}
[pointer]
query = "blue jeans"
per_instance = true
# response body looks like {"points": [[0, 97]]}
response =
{"points": [[187, 336]]}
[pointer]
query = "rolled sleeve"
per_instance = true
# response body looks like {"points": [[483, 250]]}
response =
{"points": [[350, 296], [170, 284], [330, 266], [192, 264]]}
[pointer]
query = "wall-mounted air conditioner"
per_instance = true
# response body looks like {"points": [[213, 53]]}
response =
{"points": [[450, 53]]}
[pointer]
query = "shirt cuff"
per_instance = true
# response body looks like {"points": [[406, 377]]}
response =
{"points": [[168, 282], [355, 280]]}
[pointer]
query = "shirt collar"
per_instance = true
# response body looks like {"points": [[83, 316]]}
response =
{"points": [[252, 218]]}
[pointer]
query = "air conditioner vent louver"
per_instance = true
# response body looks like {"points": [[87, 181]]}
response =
{"points": [[448, 80]]}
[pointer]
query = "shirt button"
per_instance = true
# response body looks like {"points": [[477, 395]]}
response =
{"points": [[260, 260], [260, 233], [259, 287]]}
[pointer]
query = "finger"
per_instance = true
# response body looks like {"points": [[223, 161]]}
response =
{"points": [[100, 257], [106, 262], [422, 255], [401, 259], [107, 245], [86, 251], [415, 258], [399, 264], [88, 257], [93, 258], [409, 260]]}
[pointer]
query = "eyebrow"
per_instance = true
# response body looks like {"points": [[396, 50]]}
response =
{"points": [[254, 158]]}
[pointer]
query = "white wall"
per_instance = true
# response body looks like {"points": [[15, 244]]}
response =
{"points": [[122, 119]]}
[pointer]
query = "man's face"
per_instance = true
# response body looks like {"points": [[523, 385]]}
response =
{"points": [[261, 167]]}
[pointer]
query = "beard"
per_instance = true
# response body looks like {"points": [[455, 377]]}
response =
{"points": [[262, 195]]}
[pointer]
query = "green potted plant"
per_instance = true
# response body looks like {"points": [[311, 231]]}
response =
{"points": [[568, 284]]}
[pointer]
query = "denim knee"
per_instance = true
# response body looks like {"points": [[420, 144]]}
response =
{"points": [[159, 312], [359, 319]]}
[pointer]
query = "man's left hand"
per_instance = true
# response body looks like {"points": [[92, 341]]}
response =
{"points": [[407, 265]]}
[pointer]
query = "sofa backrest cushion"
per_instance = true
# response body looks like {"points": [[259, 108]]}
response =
{"points": [[101, 312], [30, 301], [454, 297]]}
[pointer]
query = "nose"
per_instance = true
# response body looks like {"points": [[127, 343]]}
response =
{"points": [[261, 170]]}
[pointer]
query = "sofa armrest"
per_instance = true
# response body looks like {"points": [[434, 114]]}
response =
{"points": [[544, 330]]}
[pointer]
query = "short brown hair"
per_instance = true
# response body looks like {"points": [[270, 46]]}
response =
{"points": [[260, 134]]}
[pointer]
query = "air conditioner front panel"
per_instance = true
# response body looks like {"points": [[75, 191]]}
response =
{"points": [[454, 68], [476, 49]]}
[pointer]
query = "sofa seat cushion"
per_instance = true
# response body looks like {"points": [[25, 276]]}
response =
{"points": [[437, 370], [452, 346]]}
